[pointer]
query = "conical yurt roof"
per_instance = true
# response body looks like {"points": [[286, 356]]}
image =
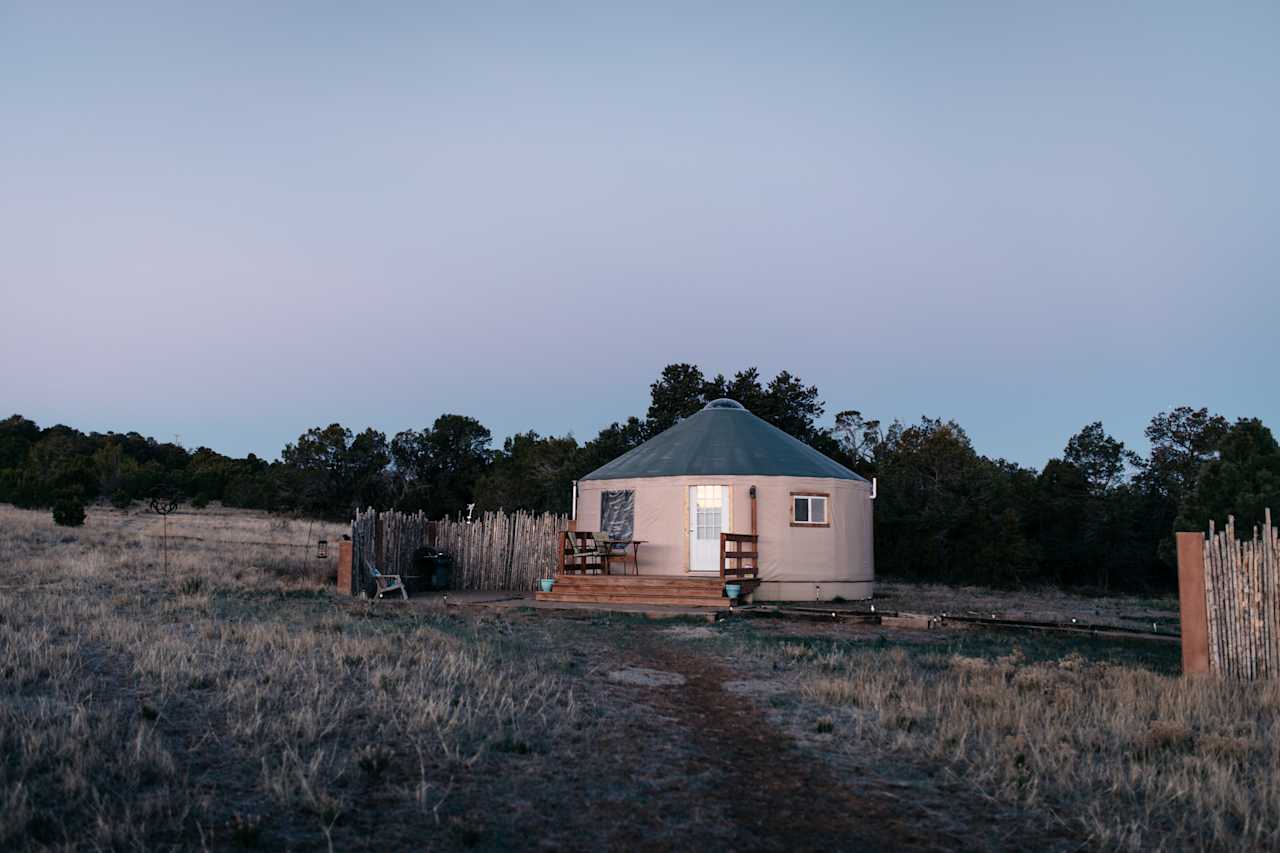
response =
{"points": [[722, 438]]}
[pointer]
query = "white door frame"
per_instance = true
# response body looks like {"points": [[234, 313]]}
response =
{"points": [[704, 552]]}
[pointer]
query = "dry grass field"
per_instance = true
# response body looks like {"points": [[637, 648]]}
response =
{"points": [[234, 702], [1102, 741], [1036, 605], [229, 701]]}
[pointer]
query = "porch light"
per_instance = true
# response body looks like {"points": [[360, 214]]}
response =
{"points": [[322, 549]]}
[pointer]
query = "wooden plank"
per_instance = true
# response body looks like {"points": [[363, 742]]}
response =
{"points": [[345, 580], [1228, 602], [1255, 605], [1255, 624], [605, 598], [1191, 604], [1215, 661], [709, 580], [1251, 626], [1241, 614], [1271, 591], [586, 582]]}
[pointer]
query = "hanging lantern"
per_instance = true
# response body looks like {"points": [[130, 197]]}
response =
{"points": [[322, 549]]}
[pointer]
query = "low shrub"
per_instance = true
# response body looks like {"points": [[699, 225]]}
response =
{"points": [[68, 512], [120, 499]]}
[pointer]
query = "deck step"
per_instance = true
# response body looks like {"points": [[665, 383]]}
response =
{"points": [[603, 597], [621, 578], [679, 590], [682, 592], [647, 583]]}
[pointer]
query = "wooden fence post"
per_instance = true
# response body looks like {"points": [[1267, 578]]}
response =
{"points": [[1191, 604], [345, 585]]}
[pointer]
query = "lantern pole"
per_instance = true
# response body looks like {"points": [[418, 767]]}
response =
{"points": [[162, 505]]}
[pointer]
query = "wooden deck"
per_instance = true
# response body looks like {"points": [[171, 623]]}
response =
{"points": [[682, 591]]}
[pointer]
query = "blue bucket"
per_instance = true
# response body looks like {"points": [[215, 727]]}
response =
{"points": [[732, 590], [546, 584]]}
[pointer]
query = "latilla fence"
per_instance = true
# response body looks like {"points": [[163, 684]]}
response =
{"points": [[1242, 600], [497, 551]]}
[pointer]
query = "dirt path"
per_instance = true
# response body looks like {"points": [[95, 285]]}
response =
{"points": [[778, 798]]}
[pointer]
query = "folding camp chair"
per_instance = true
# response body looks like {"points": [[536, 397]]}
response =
{"points": [[386, 583]]}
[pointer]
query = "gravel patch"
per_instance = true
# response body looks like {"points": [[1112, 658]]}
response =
{"points": [[755, 687], [641, 677], [690, 632]]}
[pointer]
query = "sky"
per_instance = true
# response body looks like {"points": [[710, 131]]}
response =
{"points": [[233, 221]]}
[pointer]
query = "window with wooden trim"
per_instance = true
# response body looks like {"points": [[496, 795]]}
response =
{"points": [[809, 511]]}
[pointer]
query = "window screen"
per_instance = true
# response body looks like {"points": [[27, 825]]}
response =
{"points": [[818, 510], [618, 514]]}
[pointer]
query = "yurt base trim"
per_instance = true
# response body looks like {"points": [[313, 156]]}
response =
{"points": [[813, 591]]}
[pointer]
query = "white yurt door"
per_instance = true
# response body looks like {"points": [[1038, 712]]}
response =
{"points": [[708, 518]]}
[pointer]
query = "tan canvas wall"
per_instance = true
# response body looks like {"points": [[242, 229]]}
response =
{"points": [[841, 552]]}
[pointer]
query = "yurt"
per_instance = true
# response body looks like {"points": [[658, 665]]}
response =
{"points": [[724, 470]]}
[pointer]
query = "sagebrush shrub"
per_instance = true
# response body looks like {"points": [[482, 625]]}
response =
{"points": [[68, 512]]}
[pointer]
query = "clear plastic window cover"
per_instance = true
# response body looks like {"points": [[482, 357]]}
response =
{"points": [[618, 514]]}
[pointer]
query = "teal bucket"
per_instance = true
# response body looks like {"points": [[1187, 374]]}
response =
{"points": [[546, 584], [732, 590]]}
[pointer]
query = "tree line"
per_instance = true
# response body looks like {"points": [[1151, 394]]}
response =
{"points": [[1098, 515]]}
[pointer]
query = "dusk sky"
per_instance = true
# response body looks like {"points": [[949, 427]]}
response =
{"points": [[235, 221]]}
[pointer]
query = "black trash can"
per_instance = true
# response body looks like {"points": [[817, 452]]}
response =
{"points": [[432, 569]]}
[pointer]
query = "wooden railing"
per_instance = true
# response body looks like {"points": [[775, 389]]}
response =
{"points": [[745, 547]]}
